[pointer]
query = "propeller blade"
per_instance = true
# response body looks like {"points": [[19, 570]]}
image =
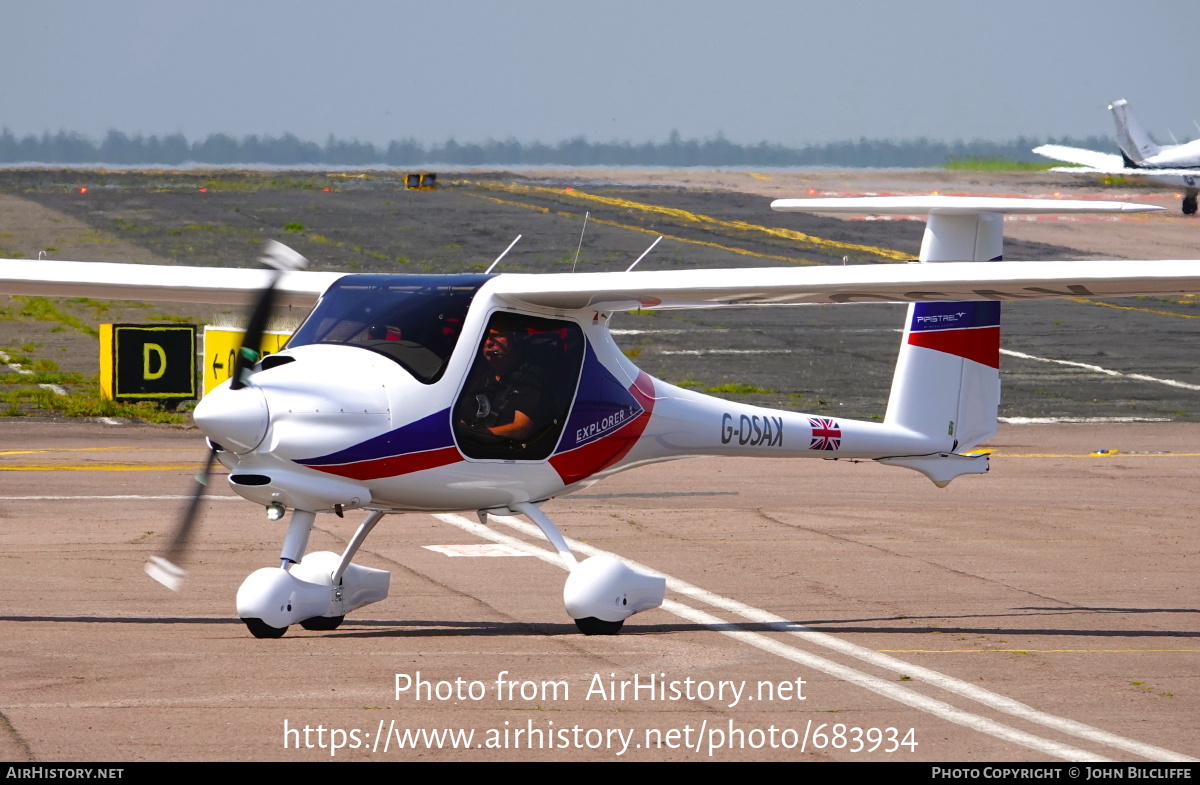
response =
{"points": [[166, 569], [281, 258]]}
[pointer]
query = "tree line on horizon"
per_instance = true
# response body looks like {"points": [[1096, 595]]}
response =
{"points": [[118, 148]]}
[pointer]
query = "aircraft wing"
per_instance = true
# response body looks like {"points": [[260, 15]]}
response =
{"points": [[1075, 155], [1103, 163], [651, 290], [648, 290], [167, 283]]}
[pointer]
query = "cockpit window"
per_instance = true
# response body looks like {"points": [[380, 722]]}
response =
{"points": [[414, 320]]}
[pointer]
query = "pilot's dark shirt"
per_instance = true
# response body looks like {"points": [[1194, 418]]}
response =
{"points": [[498, 400]]}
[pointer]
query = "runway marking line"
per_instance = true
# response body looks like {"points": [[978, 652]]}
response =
{"points": [[653, 232], [43, 450], [1141, 377], [477, 549], [700, 218], [50, 467], [1135, 308], [164, 497], [875, 684], [1000, 454]]}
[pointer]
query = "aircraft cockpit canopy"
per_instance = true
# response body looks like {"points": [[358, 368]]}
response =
{"points": [[414, 320]]}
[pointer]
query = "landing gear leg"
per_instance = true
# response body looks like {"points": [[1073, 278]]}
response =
{"points": [[360, 536], [296, 540], [267, 600], [315, 590], [601, 592], [535, 514], [326, 623]]}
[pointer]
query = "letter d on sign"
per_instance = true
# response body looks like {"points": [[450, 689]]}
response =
{"points": [[147, 350]]}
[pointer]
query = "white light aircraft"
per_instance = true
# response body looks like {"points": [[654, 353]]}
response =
{"points": [[496, 393], [1173, 166]]}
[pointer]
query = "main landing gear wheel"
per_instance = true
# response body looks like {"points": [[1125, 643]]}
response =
{"points": [[322, 623], [260, 629], [1189, 205], [593, 626]]}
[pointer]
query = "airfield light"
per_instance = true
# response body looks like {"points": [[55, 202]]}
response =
{"points": [[203, 190], [83, 189], [1178, 196], [275, 512], [326, 188]]}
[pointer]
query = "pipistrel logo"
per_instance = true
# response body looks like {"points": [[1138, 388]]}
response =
{"points": [[941, 318]]}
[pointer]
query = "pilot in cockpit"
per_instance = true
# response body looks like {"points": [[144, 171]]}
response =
{"points": [[502, 396]]}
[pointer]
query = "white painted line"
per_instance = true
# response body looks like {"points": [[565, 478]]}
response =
{"points": [[477, 549], [886, 688], [4, 358], [948, 683], [54, 388], [701, 352], [658, 332], [1106, 371]]}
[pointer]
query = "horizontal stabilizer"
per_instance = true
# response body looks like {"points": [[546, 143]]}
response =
{"points": [[954, 205]]}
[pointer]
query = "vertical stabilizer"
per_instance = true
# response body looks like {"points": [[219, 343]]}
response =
{"points": [[1136, 145], [947, 380]]}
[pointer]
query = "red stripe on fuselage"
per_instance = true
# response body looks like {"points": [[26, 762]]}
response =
{"points": [[583, 462], [981, 344], [395, 465]]}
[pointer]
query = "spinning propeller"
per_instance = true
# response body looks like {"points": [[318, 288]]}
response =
{"points": [[166, 569]]}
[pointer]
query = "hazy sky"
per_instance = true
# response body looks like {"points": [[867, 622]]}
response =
{"points": [[787, 72]]}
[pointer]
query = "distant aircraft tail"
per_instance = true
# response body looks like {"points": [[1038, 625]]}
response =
{"points": [[1136, 145]]}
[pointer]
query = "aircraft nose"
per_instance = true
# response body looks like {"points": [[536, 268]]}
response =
{"points": [[235, 419]]}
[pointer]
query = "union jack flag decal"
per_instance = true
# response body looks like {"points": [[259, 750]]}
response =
{"points": [[826, 434]]}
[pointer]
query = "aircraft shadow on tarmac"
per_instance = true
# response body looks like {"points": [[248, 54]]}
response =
{"points": [[431, 628]]}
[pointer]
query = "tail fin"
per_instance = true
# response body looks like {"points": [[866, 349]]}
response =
{"points": [[947, 380], [1136, 145]]}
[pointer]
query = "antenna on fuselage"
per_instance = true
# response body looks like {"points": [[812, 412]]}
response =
{"points": [[501, 256], [586, 215], [643, 256]]}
